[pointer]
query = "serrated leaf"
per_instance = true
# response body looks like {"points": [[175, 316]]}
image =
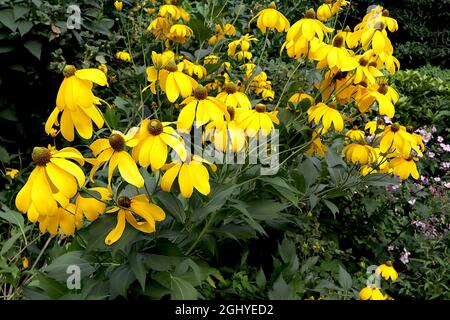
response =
{"points": [[7, 19], [280, 290], [345, 280], [121, 279]]}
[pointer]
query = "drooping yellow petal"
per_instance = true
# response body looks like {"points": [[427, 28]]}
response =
{"points": [[71, 168], [117, 232], [169, 177], [185, 181], [129, 171]]}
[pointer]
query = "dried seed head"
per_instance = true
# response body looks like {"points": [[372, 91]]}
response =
{"points": [[385, 13]]}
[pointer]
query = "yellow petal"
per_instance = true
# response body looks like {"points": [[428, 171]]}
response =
{"points": [[169, 177], [94, 75], [129, 171], [71, 168], [117, 232], [185, 181]]}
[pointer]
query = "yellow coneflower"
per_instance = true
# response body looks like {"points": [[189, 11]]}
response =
{"points": [[257, 119], [328, 114], [123, 55], [78, 110], [270, 18], [112, 150], [404, 167], [154, 139], [54, 180], [233, 98], [202, 109], [387, 271], [91, 207], [126, 208], [191, 174]]}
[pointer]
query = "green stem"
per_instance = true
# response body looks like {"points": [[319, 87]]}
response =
{"points": [[202, 233]]}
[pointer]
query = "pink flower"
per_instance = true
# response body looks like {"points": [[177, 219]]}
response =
{"points": [[440, 139]]}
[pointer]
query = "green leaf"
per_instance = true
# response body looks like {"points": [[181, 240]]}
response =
{"points": [[12, 217], [7, 19], [160, 262], [58, 268], [35, 48], [172, 205], [287, 250], [201, 31], [20, 11], [4, 155], [179, 289], [24, 27], [121, 279], [345, 280], [309, 263], [280, 290], [137, 265], [330, 205], [261, 279]]}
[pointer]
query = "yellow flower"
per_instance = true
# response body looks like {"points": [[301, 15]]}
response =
{"points": [[243, 43], [299, 97], [233, 98], [191, 174], [25, 263], [180, 33], [126, 209], [369, 293], [356, 135], [173, 11], [386, 97], [396, 138], [404, 167], [118, 5], [103, 68], [366, 71], [154, 138], [123, 55], [338, 4], [304, 32], [271, 19], [211, 59], [226, 135], [328, 114], [91, 207], [201, 108], [359, 153], [387, 271], [78, 110], [112, 150], [324, 11], [373, 125], [241, 55], [193, 68], [316, 145], [160, 61], [10, 172], [257, 119], [174, 82], [335, 55], [160, 27], [54, 180], [64, 221]]}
